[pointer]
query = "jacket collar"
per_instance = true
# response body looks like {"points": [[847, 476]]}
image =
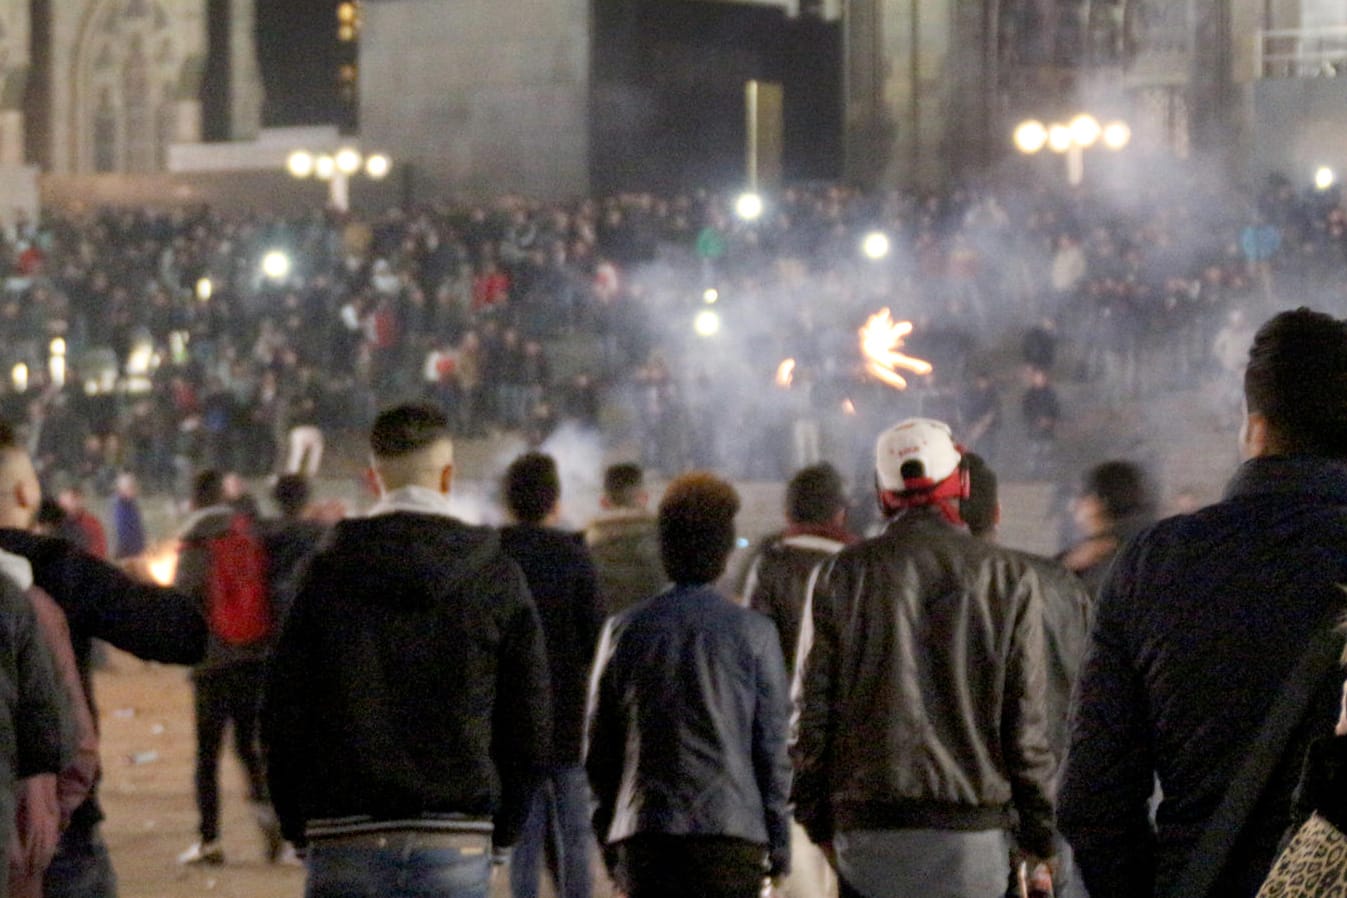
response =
{"points": [[414, 499], [1321, 480]]}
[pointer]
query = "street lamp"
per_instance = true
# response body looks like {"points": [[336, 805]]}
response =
{"points": [[1324, 178], [875, 246], [276, 265], [1071, 139], [337, 169], [748, 206], [706, 324]]}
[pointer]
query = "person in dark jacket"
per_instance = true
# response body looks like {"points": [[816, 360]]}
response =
{"points": [[1114, 504], [36, 730], [290, 539], [687, 722], [780, 577], [1067, 607], [1201, 621], [778, 585], [565, 588], [227, 684], [128, 525], [623, 540], [100, 602], [407, 717], [923, 721]]}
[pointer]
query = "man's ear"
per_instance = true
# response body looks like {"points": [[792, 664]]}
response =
{"points": [[1255, 437], [373, 482], [446, 478], [27, 495]]}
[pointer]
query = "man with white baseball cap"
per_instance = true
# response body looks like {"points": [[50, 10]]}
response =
{"points": [[923, 738]]}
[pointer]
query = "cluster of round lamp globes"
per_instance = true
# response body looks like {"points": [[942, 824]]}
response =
{"points": [[1082, 132], [346, 161]]}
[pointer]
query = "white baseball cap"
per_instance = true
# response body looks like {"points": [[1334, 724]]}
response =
{"points": [[924, 447]]}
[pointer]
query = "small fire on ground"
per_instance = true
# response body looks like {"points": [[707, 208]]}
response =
{"points": [[881, 340]]}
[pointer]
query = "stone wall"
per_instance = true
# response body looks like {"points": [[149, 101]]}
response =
{"points": [[479, 97]]}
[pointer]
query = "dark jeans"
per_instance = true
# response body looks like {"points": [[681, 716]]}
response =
{"points": [[400, 865], [558, 826], [227, 694], [655, 866], [81, 867]]}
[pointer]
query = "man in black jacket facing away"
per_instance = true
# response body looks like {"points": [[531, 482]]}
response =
{"points": [[922, 722], [565, 588], [1201, 621], [407, 717]]}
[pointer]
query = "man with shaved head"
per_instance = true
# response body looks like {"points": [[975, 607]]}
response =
{"points": [[407, 717], [100, 602]]}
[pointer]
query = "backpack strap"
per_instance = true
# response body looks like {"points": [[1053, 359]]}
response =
{"points": [[1211, 854]]}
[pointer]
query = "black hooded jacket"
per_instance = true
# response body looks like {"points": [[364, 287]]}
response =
{"points": [[410, 685]]}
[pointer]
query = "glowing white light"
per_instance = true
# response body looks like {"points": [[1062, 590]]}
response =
{"points": [[204, 289], [1117, 135], [162, 563], [711, 296], [20, 377], [325, 167], [300, 163], [1085, 130], [58, 346], [1324, 178], [748, 206], [276, 265], [348, 161], [377, 166], [785, 373], [875, 245], [56, 365], [1030, 137], [706, 324], [1059, 138]]}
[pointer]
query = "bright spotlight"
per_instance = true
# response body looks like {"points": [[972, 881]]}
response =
{"points": [[325, 167], [1085, 130], [300, 163], [1059, 138], [276, 265], [1117, 135], [20, 377], [875, 245], [710, 296], [748, 206], [378, 166], [1030, 137], [1324, 178], [204, 289], [348, 161], [57, 346], [706, 324]]}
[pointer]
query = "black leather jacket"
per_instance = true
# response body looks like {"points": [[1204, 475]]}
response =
{"points": [[687, 721], [923, 703]]}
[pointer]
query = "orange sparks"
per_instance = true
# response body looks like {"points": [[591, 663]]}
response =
{"points": [[881, 338], [785, 374], [162, 563]]}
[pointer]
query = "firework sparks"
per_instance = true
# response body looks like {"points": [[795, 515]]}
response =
{"points": [[881, 340]]}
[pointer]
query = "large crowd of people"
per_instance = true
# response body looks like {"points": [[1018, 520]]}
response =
{"points": [[178, 347]]}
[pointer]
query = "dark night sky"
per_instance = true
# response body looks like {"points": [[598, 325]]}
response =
{"points": [[299, 55]]}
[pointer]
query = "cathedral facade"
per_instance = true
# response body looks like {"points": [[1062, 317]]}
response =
{"points": [[105, 86]]}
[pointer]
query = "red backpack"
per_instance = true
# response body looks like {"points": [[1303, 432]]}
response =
{"points": [[240, 610]]}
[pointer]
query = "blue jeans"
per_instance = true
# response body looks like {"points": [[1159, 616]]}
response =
{"points": [[81, 867], [400, 864], [558, 822]]}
